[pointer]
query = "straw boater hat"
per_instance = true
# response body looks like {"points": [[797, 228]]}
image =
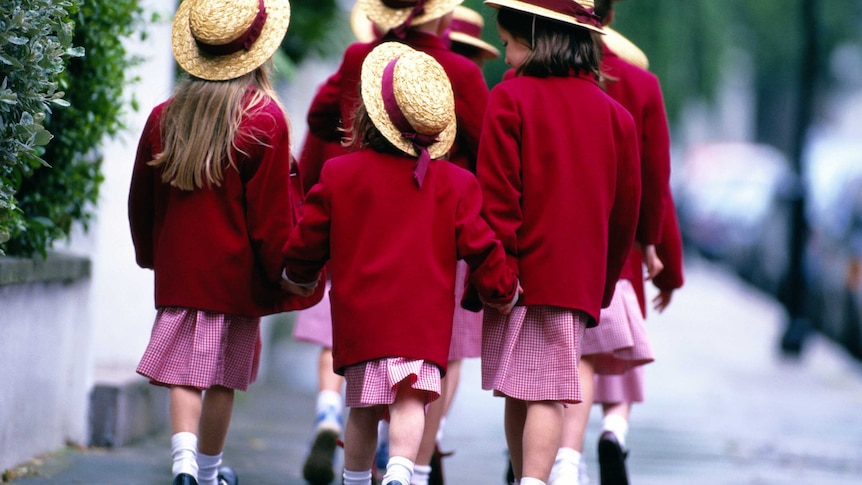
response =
{"points": [[363, 29], [575, 12], [625, 48], [219, 40], [467, 29], [389, 14], [409, 98]]}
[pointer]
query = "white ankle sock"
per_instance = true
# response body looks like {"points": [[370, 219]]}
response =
{"points": [[421, 474], [398, 469], [356, 478], [328, 410], [208, 469], [570, 455], [531, 481], [184, 450], [617, 425]]}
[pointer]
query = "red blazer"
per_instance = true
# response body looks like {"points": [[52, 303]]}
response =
{"points": [[391, 251], [336, 100], [560, 176], [639, 92], [219, 249]]}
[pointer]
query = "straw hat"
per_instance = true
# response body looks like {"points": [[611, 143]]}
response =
{"points": [[388, 14], [421, 90], [625, 48], [575, 12], [467, 29], [216, 39], [363, 29]]}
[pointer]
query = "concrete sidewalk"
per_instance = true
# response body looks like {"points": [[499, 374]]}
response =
{"points": [[722, 408]]}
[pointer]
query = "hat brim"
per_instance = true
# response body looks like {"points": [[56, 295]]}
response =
{"points": [[221, 68], [361, 25], [372, 98], [625, 49], [388, 18], [541, 12], [488, 50]]}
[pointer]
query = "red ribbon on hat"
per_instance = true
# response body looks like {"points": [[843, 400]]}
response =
{"points": [[465, 27], [244, 41], [571, 8], [418, 9], [396, 116]]}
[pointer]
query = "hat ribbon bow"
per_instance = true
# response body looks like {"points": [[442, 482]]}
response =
{"points": [[573, 8], [244, 41], [418, 9], [420, 141]]}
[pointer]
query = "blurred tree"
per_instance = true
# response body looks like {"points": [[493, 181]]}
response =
{"points": [[311, 30]]}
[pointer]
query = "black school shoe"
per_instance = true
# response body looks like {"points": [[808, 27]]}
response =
{"points": [[612, 461], [318, 467], [227, 476], [184, 479]]}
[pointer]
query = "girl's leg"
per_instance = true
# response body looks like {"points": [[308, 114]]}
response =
{"points": [[406, 427], [185, 411], [360, 438], [434, 418], [514, 418], [541, 438], [566, 467], [215, 422]]}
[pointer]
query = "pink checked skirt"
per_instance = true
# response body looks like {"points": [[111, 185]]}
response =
{"points": [[314, 325], [466, 325], [202, 349], [617, 388], [533, 353], [620, 340], [376, 382]]}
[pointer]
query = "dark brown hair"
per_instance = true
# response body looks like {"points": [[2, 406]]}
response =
{"points": [[363, 134], [558, 48]]}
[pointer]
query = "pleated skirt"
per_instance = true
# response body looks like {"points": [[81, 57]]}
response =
{"points": [[619, 342], [533, 353], [376, 382], [202, 349], [314, 325], [619, 388], [466, 325]]}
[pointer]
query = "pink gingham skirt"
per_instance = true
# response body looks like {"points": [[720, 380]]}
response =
{"points": [[376, 382], [202, 349], [620, 340], [533, 353], [466, 325], [617, 388], [314, 325]]}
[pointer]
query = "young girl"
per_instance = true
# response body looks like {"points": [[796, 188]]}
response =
{"points": [[390, 224], [560, 176], [210, 206]]}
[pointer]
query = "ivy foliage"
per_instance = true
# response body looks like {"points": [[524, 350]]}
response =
{"points": [[36, 40], [52, 198]]}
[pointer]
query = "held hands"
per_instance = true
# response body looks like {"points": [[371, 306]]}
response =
{"points": [[506, 308], [300, 289], [654, 266]]}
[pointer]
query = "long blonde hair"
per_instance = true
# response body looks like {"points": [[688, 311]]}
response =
{"points": [[200, 127]]}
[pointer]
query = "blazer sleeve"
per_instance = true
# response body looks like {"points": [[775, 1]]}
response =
{"points": [[141, 210], [655, 165], [670, 251], [499, 171], [307, 248]]}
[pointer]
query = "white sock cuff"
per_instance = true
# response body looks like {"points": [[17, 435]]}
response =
{"points": [[401, 461], [351, 476], [531, 481], [570, 455], [209, 460], [328, 398], [184, 440], [617, 425]]}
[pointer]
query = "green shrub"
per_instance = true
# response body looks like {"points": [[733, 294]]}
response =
{"points": [[35, 42]]}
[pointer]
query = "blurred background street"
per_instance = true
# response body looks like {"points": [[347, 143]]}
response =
{"points": [[723, 406]]}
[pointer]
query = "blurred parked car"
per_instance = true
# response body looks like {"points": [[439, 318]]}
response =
{"points": [[833, 174], [733, 206]]}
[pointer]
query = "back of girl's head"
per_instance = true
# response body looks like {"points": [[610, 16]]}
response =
{"points": [[364, 134], [557, 48]]}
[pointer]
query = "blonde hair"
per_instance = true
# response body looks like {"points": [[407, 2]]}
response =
{"points": [[200, 127]]}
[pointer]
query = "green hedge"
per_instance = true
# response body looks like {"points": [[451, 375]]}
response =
{"points": [[47, 187]]}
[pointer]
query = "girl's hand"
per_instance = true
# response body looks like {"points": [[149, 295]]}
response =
{"points": [[506, 308], [297, 289], [654, 265], [662, 300]]}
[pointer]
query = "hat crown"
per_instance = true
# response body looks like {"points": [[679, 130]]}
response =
{"points": [[217, 22], [464, 14], [423, 91]]}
